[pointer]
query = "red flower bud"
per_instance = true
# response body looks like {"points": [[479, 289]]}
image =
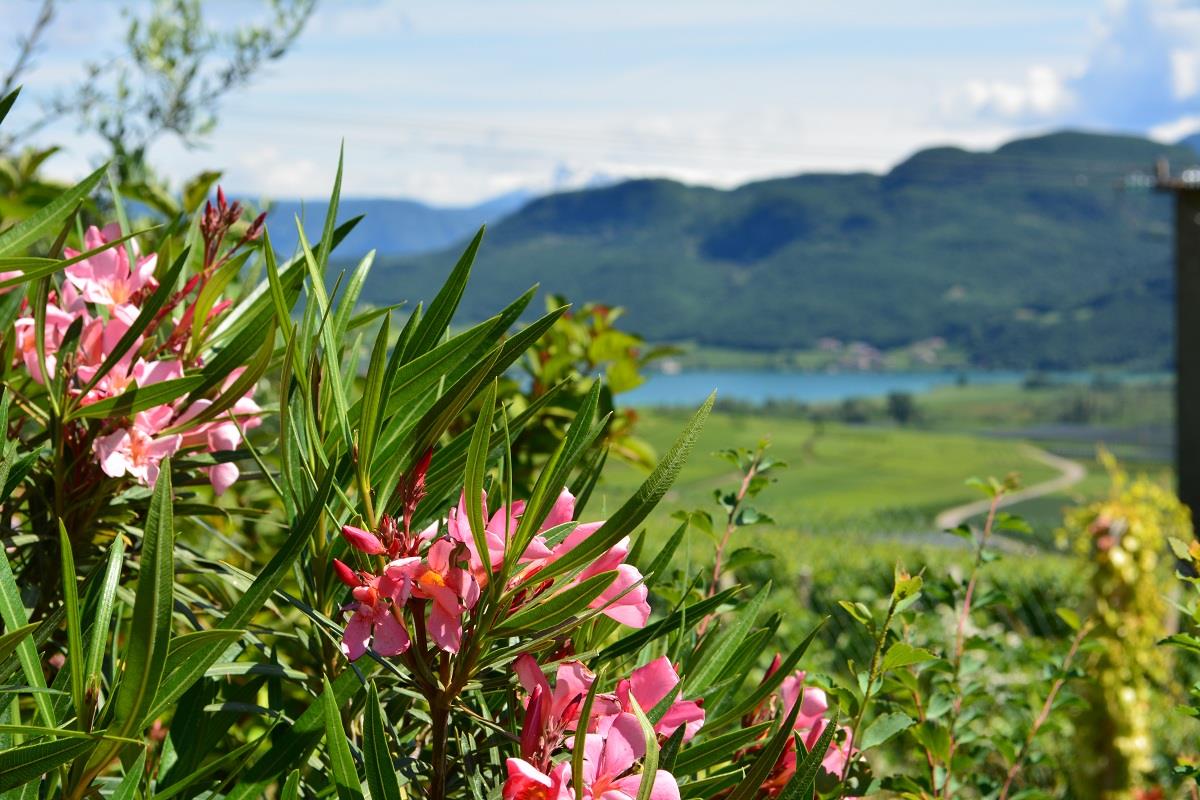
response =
{"points": [[346, 575]]}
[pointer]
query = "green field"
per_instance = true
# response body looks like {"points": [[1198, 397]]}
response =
{"points": [[840, 479], [853, 502]]}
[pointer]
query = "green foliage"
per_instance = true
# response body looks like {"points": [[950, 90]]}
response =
{"points": [[1124, 537]]}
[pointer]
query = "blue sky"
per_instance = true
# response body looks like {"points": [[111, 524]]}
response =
{"points": [[455, 101]]}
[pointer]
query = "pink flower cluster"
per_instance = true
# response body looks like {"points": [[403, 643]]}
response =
{"points": [[811, 723], [613, 739], [104, 292], [447, 572]]}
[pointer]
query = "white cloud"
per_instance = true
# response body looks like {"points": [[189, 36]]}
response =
{"points": [[1176, 129], [1142, 71], [1042, 93]]}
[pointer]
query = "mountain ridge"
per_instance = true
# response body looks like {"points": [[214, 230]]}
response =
{"points": [[391, 225], [1032, 255]]}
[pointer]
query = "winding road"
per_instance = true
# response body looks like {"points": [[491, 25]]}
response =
{"points": [[1070, 473]]}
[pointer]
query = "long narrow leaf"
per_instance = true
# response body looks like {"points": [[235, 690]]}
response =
{"points": [[74, 625], [150, 628], [443, 306], [14, 616], [630, 515], [20, 765], [28, 231], [341, 762], [381, 775]]}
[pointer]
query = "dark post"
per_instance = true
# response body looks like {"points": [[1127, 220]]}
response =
{"points": [[1187, 335]]}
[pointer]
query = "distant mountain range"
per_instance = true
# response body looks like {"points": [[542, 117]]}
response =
{"points": [[1039, 254], [391, 227]]}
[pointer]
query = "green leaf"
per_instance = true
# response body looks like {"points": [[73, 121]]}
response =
{"points": [[291, 788], [6, 103], [381, 774], [127, 789], [291, 745], [704, 755], [670, 749], [441, 309], [233, 759], [373, 397], [1069, 616], [902, 654], [349, 300], [557, 607], [150, 628], [28, 231], [26, 763], [10, 640], [13, 613], [578, 750], [477, 455], [883, 728], [633, 642], [326, 244], [859, 612], [552, 479], [337, 747], [104, 609], [933, 737], [190, 657], [259, 304], [196, 190], [138, 398], [74, 633], [658, 566], [280, 564], [727, 644]]}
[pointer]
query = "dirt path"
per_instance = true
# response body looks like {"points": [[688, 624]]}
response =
{"points": [[1070, 473]]}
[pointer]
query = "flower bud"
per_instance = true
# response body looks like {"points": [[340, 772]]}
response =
{"points": [[362, 540]]}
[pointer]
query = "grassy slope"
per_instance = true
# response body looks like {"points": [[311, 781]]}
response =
{"points": [[850, 479]]}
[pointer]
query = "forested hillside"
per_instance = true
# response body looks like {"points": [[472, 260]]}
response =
{"points": [[1036, 255]]}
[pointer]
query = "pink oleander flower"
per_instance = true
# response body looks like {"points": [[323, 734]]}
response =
{"points": [[221, 434], [97, 340], [452, 589], [120, 378], [137, 450], [810, 724], [553, 712], [106, 279], [497, 530], [813, 701], [527, 782], [609, 756], [632, 609], [57, 323], [374, 622], [608, 759], [648, 685]]}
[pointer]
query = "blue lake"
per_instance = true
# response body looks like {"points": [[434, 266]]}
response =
{"points": [[690, 388]]}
